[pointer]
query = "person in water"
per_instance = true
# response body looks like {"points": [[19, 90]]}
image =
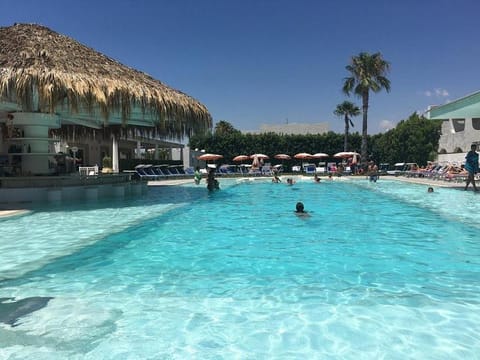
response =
{"points": [[276, 179], [430, 189], [300, 209], [212, 183], [197, 176], [471, 165]]}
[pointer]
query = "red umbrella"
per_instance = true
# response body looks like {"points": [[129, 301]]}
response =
{"points": [[208, 157], [282, 157], [241, 158], [303, 156]]}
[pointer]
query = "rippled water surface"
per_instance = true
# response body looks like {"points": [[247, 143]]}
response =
{"points": [[379, 270]]}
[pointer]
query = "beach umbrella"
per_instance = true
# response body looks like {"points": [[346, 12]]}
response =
{"points": [[282, 157], [346, 154], [320, 155], [303, 156], [240, 158], [259, 156], [209, 157]]}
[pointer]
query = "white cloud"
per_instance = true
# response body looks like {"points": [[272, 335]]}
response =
{"points": [[386, 125], [441, 92], [438, 92]]}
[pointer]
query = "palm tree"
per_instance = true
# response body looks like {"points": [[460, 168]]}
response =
{"points": [[347, 109], [367, 72]]}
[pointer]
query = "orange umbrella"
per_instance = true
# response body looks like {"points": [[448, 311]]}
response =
{"points": [[282, 157], [208, 157], [259, 156], [346, 154], [241, 158], [320, 155], [303, 156]]}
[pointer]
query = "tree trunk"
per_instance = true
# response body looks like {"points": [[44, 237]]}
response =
{"points": [[345, 141], [364, 149]]}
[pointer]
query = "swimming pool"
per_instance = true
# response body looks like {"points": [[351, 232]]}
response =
{"points": [[379, 270]]}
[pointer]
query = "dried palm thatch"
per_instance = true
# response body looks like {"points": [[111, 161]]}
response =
{"points": [[43, 71]]}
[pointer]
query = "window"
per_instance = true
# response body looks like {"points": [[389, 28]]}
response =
{"points": [[458, 124], [476, 123]]}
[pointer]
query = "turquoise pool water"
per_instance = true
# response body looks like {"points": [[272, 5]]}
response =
{"points": [[379, 270]]}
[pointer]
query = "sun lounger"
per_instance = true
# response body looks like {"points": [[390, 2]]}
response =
{"points": [[142, 174], [309, 169], [150, 170], [176, 170], [267, 169]]}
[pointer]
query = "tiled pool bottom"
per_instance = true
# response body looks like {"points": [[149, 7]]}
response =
{"points": [[376, 271]]}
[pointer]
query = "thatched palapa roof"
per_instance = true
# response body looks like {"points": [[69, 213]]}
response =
{"points": [[43, 71]]}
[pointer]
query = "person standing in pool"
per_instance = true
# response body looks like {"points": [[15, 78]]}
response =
{"points": [[197, 176], [471, 165], [212, 183]]}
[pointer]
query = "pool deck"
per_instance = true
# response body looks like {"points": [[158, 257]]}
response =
{"points": [[173, 182]]}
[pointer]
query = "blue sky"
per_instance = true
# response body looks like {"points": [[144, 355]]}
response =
{"points": [[254, 62]]}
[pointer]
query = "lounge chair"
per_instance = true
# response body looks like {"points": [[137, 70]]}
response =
{"points": [[176, 170], [158, 171], [142, 174], [267, 169], [166, 170], [150, 170], [309, 169]]}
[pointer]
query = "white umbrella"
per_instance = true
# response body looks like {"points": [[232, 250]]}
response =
{"points": [[282, 157], [346, 154], [320, 155], [303, 156], [240, 158], [208, 157], [259, 156]]}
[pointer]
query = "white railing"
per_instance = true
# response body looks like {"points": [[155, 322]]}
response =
{"points": [[88, 170]]}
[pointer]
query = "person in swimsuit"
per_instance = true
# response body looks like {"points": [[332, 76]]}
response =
{"points": [[471, 165], [197, 176], [212, 183]]}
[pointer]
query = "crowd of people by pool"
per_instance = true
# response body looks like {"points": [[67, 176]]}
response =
{"points": [[470, 169]]}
